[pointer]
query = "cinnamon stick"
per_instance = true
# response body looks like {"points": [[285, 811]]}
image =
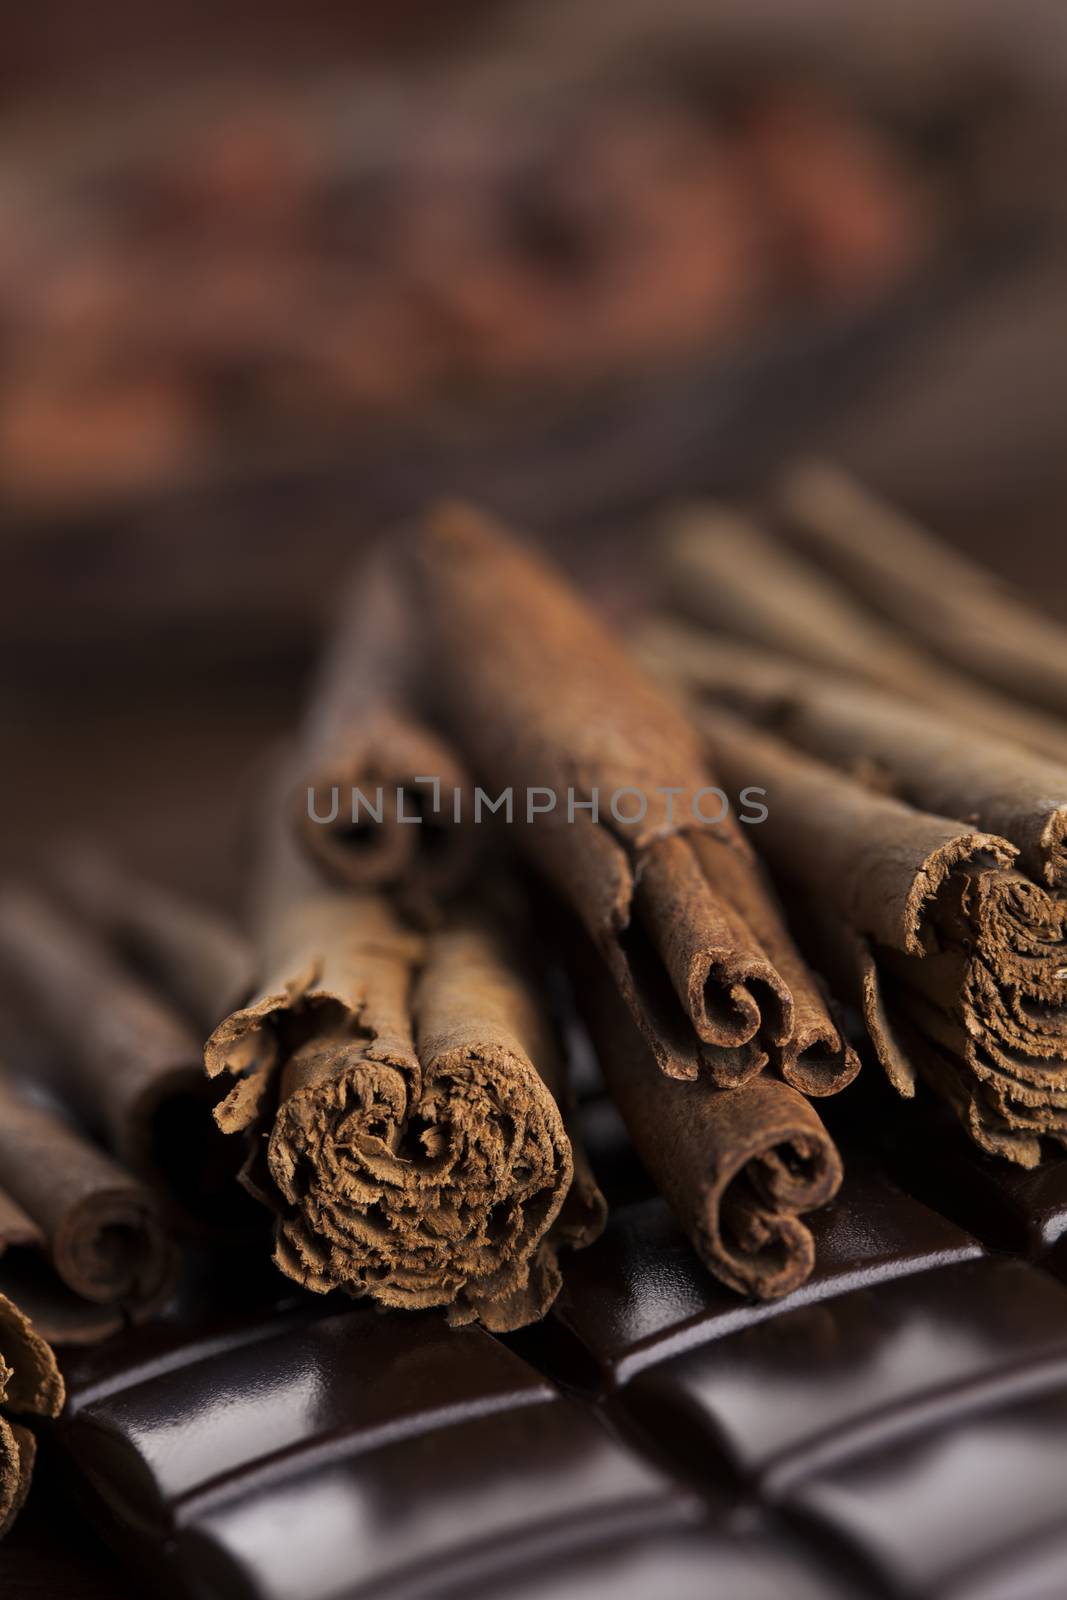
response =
{"points": [[546, 703], [30, 1384], [846, 960], [918, 754], [119, 1057], [879, 861], [816, 1058], [991, 992], [191, 956], [81, 1242], [934, 595], [738, 1166], [374, 802], [408, 1086], [725, 572], [971, 955], [731, 575]]}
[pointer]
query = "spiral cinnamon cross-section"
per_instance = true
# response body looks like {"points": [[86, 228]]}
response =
{"points": [[440, 1199], [117, 1054], [378, 810], [30, 1384], [417, 1154], [771, 1160], [97, 1225], [738, 1167], [378, 800]]}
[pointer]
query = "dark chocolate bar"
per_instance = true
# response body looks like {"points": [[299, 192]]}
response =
{"points": [[894, 1429]]}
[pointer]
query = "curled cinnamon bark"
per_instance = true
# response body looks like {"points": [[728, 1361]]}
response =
{"points": [[933, 594], [737, 1166], [815, 1057], [920, 755], [408, 1084], [546, 703], [732, 576], [30, 1384], [125, 1063], [877, 860], [374, 801], [846, 959], [62, 1201], [993, 997], [971, 955]]}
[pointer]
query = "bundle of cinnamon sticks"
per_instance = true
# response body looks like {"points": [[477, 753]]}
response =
{"points": [[109, 1159], [108, 1152], [917, 808], [396, 1078], [730, 832]]}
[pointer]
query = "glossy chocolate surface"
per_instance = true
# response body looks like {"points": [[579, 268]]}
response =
{"points": [[897, 1428]]}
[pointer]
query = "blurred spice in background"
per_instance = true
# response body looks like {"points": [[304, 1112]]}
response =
{"points": [[259, 270]]}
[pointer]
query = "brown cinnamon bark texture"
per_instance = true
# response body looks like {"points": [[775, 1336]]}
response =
{"points": [[547, 705], [738, 1166], [126, 1064], [81, 1242], [374, 799], [194, 958], [30, 1385], [730, 575], [931, 593], [816, 1058], [846, 960], [408, 1085], [970, 954], [918, 754]]}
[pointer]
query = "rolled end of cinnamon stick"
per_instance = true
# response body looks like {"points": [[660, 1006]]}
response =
{"points": [[1051, 852], [111, 1248], [737, 1166], [811, 1052], [772, 1161], [119, 1057], [381, 811], [416, 1152], [725, 981], [33, 1384], [30, 1382], [18, 1448], [433, 1190], [818, 1060], [99, 1227]]}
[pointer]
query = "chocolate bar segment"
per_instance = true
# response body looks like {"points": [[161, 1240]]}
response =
{"points": [[859, 1370], [974, 1507], [641, 1294], [361, 1453]]}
